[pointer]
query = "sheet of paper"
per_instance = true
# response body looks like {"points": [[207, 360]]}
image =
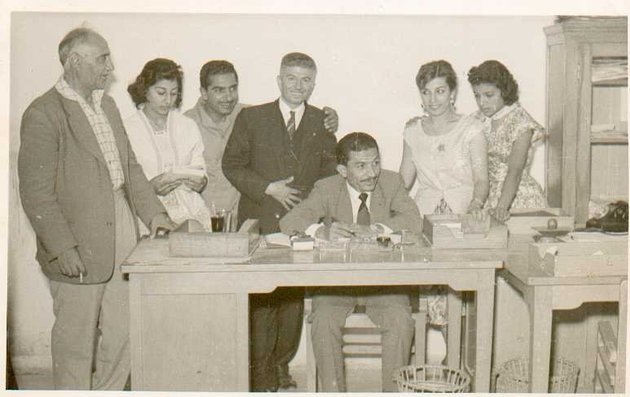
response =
{"points": [[278, 239]]}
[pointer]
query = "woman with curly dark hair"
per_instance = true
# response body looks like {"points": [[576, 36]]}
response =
{"points": [[167, 144], [510, 133]]}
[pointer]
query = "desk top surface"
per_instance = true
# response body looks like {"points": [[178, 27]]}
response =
{"points": [[519, 268], [153, 256]]}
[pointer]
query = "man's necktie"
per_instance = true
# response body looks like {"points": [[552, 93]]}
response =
{"points": [[291, 124], [363, 215]]}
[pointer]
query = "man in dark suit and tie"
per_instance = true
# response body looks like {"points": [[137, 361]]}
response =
{"points": [[362, 200], [274, 156]]}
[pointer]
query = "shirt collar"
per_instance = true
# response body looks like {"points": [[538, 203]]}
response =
{"points": [[209, 123], [355, 201], [68, 92], [354, 193], [503, 111], [204, 117], [286, 109], [498, 115]]}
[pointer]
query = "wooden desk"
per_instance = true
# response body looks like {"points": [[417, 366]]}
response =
{"points": [[189, 318], [544, 293]]}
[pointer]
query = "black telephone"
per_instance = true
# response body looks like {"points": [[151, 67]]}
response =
{"points": [[615, 220]]}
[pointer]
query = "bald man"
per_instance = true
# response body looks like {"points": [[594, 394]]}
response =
{"points": [[82, 189]]}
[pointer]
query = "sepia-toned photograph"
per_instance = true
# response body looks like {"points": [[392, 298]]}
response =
{"points": [[300, 200]]}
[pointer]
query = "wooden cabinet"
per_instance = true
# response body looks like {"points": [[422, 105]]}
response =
{"points": [[587, 99]]}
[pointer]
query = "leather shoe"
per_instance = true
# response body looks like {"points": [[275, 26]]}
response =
{"points": [[285, 380]]}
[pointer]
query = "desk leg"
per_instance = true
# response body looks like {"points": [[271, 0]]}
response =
{"points": [[454, 333], [135, 332], [540, 318], [242, 353], [590, 362], [485, 314], [620, 372]]}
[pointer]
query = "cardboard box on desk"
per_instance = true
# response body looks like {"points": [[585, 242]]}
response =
{"points": [[458, 231], [522, 220], [581, 259], [188, 242]]}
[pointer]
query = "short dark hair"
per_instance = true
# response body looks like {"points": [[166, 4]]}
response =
{"points": [[72, 39], [494, 72], [213, 68], [353, 142], [153, 71], [298, 59], [434, 69]]}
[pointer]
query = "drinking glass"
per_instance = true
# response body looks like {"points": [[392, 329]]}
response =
{"points": [[219, 219]]}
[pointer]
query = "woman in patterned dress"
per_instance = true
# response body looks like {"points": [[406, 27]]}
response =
{"points": [[510, 134], [444, 155]]}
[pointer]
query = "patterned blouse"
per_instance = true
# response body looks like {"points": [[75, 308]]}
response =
{"points": [[502, 130]]}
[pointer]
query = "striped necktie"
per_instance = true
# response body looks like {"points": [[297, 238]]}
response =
{"points": [[363, 215], [291, 124]]}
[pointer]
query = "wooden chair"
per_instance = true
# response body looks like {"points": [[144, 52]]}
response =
{"points": [[363, 341]]}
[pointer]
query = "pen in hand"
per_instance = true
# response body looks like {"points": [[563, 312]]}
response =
{"points": [[339, 226]]}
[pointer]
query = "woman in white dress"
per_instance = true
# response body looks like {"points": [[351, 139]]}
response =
{"points": [[444, 155], [167, 144], [444, 152]]}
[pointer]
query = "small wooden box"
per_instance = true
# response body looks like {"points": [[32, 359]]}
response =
{"points": [[522, 220], [591, 259], [215, 245], [445, 231]]}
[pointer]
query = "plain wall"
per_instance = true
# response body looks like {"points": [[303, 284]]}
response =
{"points": [[366, 71]]}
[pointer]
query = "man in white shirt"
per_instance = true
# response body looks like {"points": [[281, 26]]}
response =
{"points": [[361, 200]]}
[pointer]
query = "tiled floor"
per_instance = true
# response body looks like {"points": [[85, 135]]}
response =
{"points": [[362, 374], [360, 378]]}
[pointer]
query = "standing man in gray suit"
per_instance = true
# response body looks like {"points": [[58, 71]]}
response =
{"points": [[81, 189], [274, 156]]}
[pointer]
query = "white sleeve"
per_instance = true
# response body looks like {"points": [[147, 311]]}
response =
{"points": [[312, 230]]}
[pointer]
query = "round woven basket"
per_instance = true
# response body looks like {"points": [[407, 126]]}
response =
{"points": [[513, 376], [431, 379]]}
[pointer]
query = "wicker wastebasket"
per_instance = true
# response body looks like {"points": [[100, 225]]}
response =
{"points": [[431, 379], [513, 376]]}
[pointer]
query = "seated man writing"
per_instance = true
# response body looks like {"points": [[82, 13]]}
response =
{"points": [[362, 200]]}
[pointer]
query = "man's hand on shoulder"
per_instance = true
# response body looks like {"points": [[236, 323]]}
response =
{"points": [[161, 223], [413, 121], [70, 263], [331, 120]]}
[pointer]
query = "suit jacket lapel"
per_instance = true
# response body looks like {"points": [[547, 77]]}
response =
{"points": [[307, 130], [80, 127], [343, 207], [378, 212], [278, 129]]}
